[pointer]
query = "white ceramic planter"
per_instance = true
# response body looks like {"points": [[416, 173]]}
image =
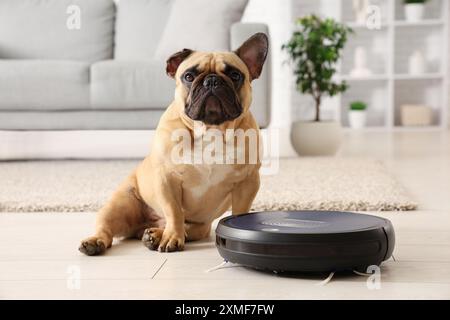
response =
{"points": [[316, 138], [357, 119], [414, 12]]}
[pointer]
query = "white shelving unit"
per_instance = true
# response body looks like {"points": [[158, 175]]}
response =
{"points": [[388, 49]]}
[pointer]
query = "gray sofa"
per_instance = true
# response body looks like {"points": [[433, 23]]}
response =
{"points": [[53, 77]]}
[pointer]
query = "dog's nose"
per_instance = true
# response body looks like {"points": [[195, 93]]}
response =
{"points": [[212, 81]]}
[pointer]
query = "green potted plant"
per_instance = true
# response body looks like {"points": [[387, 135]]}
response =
{"points": [[414, 10], [357, 114], [314, 50]]}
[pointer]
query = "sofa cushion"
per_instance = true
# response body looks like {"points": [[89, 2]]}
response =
{"points": [[202, 25], [130, 84], [80, 120], [139, 25], [31, 29], [44, 85]]}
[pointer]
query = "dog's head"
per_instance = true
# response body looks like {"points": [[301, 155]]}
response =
{"points": [[214, 87]]}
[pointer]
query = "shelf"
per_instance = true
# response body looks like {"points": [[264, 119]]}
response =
{"points": [[428, 41], [374, 94], [397, 23], [433, 9], [395, 128], [429, 93], [400, 76], [374, 77], [368, 128], [357, 25], [376, 43], [430, 22], [417, 128], [425, 76]]}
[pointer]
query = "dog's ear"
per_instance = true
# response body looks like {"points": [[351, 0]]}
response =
{"points": [[253, 53], [175, 60]]}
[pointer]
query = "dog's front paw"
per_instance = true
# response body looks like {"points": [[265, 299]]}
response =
{"points": [[163, 240], [171, 241], [92, 246], [152, 237]]}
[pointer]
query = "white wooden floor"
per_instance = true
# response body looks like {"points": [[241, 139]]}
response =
{"points": [[39, 257]]}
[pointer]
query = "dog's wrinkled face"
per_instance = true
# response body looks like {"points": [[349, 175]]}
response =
{"points": [[215, 87], [213, 95]]}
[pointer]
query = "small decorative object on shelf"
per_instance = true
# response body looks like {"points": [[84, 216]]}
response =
{"points": [[357, 115], [314, 49], [360, 68], [414, 10], [416, 115], [360, 10], [416, 63]]}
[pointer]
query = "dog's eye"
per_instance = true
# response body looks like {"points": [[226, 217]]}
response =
{"points": [[189, 77], [235, 76]]}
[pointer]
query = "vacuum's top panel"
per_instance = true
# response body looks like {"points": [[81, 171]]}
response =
{"points": [[306, 222]]}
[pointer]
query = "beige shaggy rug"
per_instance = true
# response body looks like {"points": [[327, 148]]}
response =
{"points": [[301, 183]]}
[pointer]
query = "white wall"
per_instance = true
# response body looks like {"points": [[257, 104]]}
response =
{"points": [[277, 15]]}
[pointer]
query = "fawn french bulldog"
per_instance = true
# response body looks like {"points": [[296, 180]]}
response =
{"points": [[164, 202]]}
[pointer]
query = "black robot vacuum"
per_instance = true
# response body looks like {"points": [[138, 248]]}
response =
{"points": [[305, 241]]}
